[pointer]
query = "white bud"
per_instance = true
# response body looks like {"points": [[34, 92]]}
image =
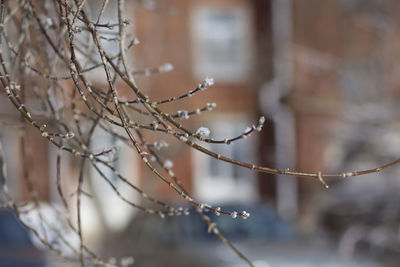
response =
{"points": [[70, 135], [183, 114], [168, 164], [164, 144], [203, 132], [166, 67], [245, 214], [208, 81], [347, 174], [261, 120], [218, 211], [210, 106], [234, 214], [135, 41], [126, 261], [183, 138]]}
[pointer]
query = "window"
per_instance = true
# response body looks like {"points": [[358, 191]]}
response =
{"points": [[218, 181], [222, 42], [118, 212]]}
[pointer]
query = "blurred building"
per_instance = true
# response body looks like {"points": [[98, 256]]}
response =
{"points": [[324, 73], [340, 77], [220, 40]]}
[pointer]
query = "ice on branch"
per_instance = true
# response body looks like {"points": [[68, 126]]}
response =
{"points": [[200, 207], [203, 132], [183, 114], [218, 211], [48, 23], [70, 135], [261, 122], [127, 261], [234, 214], [245, 214], [166, 67], [135, 41], [210, 106], [15, 86], [168, 164], [161, 144], [208, 81]]}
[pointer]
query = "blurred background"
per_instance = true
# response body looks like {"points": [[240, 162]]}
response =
{"points": [[325, 74]]}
